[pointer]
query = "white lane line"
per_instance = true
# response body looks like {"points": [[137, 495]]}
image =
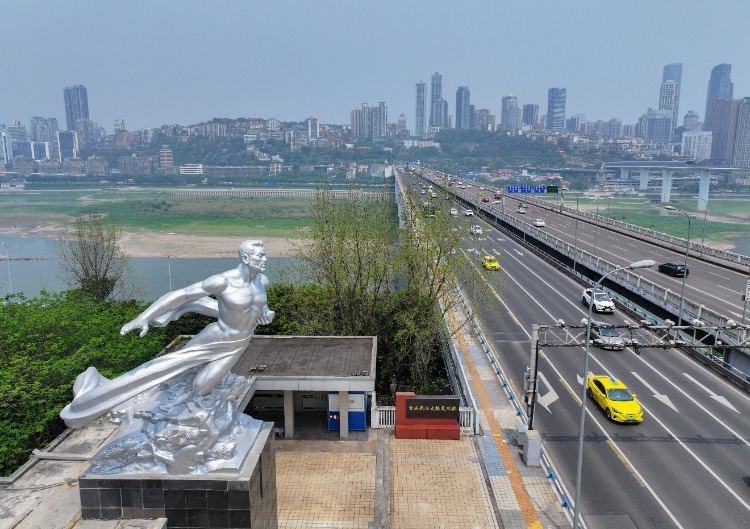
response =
{"points": [[717, 398], [662, 398], [549, 397], [613, 443], [698, 459]]}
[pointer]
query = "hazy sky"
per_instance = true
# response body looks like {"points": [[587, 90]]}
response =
{"points": [[169, 61]]}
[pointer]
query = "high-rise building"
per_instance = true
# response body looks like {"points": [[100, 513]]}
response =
{"points": [[672, 72], [313, 128], [719, 86], [436, 94], [462, 107], [166, 157], [85, 129], [530, 115], [420, 118], [119, 125], [67, 145], [484, 119], [370, 123], [691, 121], [510, 114], [696, 144], [42, 129], [401, 123], [6, 147], [556, 108], [741, 155], [438, 106], [723, 129], [659, 125], [76, 105], [669, 92]]}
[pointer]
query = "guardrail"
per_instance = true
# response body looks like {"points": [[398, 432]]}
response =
{"points": [[660, 296], [697, 250], [520, 413], [385, 417]]}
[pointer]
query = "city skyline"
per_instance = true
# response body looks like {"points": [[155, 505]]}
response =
{"points": [[255, 60]]}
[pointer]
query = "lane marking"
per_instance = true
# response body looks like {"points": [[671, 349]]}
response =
{"points": [[548, 398], [718, 398], [662, 398]]}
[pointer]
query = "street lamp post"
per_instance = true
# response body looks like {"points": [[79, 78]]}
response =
{"points": [[648, 263], [7, 258], [575, 243], [687, 251]]}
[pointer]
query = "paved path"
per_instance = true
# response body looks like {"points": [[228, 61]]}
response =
{"points": [[389, 483]]}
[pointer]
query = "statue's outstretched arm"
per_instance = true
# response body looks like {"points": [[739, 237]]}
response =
{"points": [[173, 304], [206, 306]]}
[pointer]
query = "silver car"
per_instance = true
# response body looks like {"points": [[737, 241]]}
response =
{"points": [[605, 336]]}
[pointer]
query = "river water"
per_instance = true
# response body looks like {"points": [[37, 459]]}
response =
{"points": [[34, 266]]}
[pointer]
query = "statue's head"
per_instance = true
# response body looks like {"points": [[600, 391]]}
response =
{"points": [[253, 254]]}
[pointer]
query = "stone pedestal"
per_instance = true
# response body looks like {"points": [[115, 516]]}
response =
{"points": [[215, 500]]}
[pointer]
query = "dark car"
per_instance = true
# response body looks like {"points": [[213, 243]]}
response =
{"points": [[674, 269]]}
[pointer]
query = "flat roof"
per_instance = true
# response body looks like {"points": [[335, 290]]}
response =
{"points": [[305, 363]]}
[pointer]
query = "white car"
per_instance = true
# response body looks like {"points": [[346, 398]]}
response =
{"points": [[469, 212], [476, 230], [601, 300], [522, 211], [454, 212], [539, 223], [496, 202]]}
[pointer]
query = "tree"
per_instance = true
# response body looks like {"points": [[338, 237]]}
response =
{"points": [[351, 252], [92, 261]]}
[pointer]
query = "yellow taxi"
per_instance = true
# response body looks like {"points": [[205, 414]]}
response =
{"points": [[614, 398], [489, 262]]}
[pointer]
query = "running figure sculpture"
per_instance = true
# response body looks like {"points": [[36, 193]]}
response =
{"points": [[196, 376]]}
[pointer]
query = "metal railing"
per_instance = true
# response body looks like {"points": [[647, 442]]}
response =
{"points": [[385, 417]]}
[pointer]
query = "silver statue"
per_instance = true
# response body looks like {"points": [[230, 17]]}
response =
{"points": [[195, 421]]}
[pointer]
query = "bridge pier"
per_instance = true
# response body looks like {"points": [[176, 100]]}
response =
{"points": [[704, 183], [666, 186], [643, 175]]}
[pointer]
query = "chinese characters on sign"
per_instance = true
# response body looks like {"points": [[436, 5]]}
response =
{"points": [[435, 406]]}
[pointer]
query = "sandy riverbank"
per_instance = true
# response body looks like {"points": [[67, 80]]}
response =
{"points": [[156, 244]]}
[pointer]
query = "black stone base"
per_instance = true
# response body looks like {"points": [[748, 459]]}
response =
{"points": [[247, 500]]}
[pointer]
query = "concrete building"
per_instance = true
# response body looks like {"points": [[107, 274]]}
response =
{"points": [[313, 128], [510, 114], [67, 145], [530, 115], [76, 105], [719, 87], [420, 115], [669, 92], [463, 121], [741, 155], [659, 125], [556, 108], [691, 121], [438, 106], [696, 144], [723, 129]]}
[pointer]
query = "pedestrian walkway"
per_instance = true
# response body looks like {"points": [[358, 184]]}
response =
{"points": [[371, 481]]}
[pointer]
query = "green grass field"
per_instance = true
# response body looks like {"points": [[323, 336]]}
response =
{"points": [[150, 210]]}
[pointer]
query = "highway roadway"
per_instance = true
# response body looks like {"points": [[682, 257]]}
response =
{"points": [[711, 285], [687, 465]]}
